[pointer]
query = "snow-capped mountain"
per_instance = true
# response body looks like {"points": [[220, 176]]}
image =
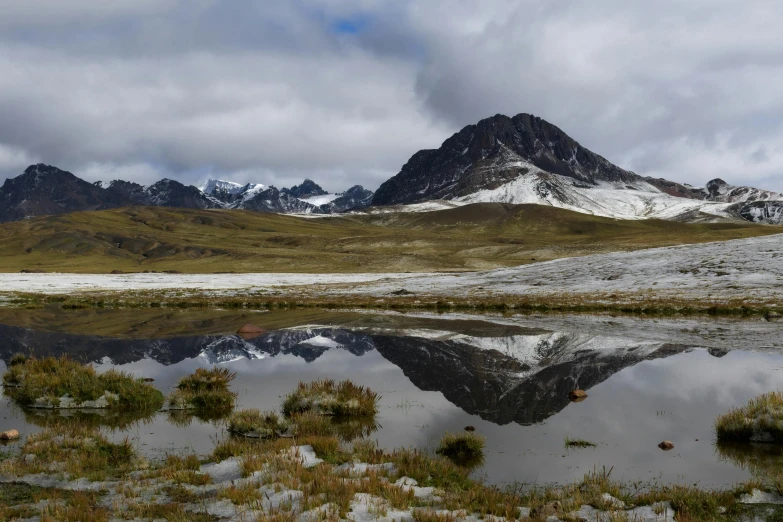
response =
{"points": [[307, 198], [525, 159]]}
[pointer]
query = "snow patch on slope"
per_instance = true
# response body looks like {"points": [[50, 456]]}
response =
{"points": [[230, 187], [320, 200], [618, 200]]}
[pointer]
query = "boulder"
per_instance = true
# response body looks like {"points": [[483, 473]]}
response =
{"points": [[666, 445], [547, 510], [577, 395], [9, 435]]}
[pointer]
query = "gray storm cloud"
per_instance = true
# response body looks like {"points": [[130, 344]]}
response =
{"points": [[346, 92]]}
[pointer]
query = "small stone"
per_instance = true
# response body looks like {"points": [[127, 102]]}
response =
{"points": [[666, 445], [577, 395], [547, 510], [9, 435], [29, 458], [613, 502], [470, 428]]}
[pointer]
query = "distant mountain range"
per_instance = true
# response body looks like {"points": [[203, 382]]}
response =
{"points": [[45, 190], [523, 159]]}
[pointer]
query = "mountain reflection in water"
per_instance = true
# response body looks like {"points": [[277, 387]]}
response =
{"points": [[522, 378], [508, 376]]}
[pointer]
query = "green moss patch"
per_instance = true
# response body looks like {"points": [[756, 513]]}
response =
{"points": [[326, 397], [761, 420], [61, 383]]}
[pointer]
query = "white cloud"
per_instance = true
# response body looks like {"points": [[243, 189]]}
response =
{"points": [[683, 90], [13, 160]]}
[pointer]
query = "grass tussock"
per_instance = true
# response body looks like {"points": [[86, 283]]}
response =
{"points": [[465, 448], [761, 420], [578, 443], [327, 397], [78, 451], [44, 382], [253, 423], [204, 391]]}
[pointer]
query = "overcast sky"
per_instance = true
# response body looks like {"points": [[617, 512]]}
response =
{"points": [[346, 91]]}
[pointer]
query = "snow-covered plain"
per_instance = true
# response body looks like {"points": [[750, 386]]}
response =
{"points": [[56, 283], [745, 268], [751, 268]]}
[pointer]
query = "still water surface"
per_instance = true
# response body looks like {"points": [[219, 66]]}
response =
{"points": [[509, 377]]}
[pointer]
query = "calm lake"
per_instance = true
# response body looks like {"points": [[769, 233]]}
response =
{"points": [[508, 376]]}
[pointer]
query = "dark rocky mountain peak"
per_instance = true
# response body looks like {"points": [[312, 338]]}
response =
{"points": [[127, 190], [491, 153], [307, 189], [44, 189], [171, 193], [356, 197]]}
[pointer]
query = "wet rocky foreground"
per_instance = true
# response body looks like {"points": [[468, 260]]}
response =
{"points": [[507, 377]]}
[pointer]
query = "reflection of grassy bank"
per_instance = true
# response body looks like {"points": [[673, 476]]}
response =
{"points": [[648, 303], [120, 420], [763, 461]]}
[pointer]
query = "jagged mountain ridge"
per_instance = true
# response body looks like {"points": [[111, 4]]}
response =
{"points": [[525, 159], [46, 190], [307, 198]]}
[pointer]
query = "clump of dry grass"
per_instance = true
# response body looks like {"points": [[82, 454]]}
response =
{"points": [[465, 448], [761, 420], [206, 391], [326, 397], [578, 443], [253, 423], [43, 382], [78, 451], [81, 506]]}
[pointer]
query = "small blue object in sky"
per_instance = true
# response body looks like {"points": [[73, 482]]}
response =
{"points": [[349, 25]]}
